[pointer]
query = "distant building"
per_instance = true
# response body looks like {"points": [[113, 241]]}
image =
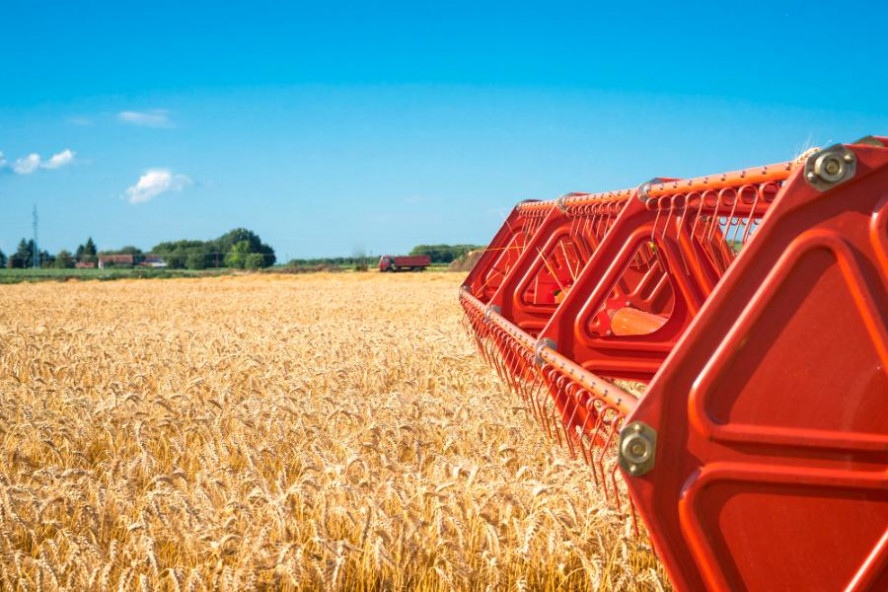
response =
{"points": [[153, 261], [85, 265], [115, 261]]}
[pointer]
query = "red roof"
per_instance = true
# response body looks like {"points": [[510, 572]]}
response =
{"points": [[116, 259]]}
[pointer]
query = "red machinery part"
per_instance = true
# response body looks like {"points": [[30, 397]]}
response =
{"points": [[772, 413], [757, 457]]}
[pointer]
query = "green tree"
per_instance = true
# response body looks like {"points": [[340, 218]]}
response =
{"points": [[87, 253], [176, 260], [224, 244], [64, 260], [237, 256], [254, 261], [443, 253], [196, 260], [24, 255], [3, 259], [230, 250]]}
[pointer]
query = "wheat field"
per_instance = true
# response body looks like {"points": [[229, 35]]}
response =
{"points": [[317, 432]]}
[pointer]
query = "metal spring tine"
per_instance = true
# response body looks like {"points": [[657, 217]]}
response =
{"points": [[656, 219], [669, 199], [634, 514], [518, 377], [509, 364], [746, 231], [530, 390], [604, 448], [607, 219], [538, 386], [584, 245], [699, 213], [496, 355], [583, 434], [695, 240], [582, 225], [544, 415], [600, 220], [565, 427], [600, 223], [737, 195], [681, 219], [591, 414], [569, 425], [552, 407], [592, 445], [541, 416], [575, 222], [715, 214], [552, 411]]}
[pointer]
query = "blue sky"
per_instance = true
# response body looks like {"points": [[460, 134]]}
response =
{"points": [[330, 128]]}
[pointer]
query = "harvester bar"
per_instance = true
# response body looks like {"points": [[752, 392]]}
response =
{"points": [[750, 176], [614, 396], [777, 172]]}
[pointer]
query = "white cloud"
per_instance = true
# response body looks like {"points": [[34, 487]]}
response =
{"points": [[59, 160], [154, 182], [30, 163], [151, 118], [27, 164]]}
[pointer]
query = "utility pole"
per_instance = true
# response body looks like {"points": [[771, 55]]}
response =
{"points": [[35, 256]]}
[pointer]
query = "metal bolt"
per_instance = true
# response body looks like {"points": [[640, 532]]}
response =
{"points": [[637, 448], [811, 177], [830, 167], [849, 157]]}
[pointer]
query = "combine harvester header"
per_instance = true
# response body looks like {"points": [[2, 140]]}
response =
{"points": [[754, 307]]}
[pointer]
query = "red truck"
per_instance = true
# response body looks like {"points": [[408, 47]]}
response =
{"points": [[405, 263]]}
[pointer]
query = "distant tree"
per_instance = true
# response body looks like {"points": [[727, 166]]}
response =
{"points": [[3, 259], [230, 249], [237, 255], [87, 253], [23, 256], [443, 253], [197, 260], [176, 254], [136, 252], [254, 261], [64, 260], [47, 260], [227, 241]]}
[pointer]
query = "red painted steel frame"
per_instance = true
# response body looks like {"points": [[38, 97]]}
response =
{"points": [[768, 368], [772, 412]]}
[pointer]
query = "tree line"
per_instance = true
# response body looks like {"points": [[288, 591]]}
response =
{"points": [[444, 253], [239, 248]]}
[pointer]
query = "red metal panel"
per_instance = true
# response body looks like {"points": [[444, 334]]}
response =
{"points": [[771, 413], [499, 258]]}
